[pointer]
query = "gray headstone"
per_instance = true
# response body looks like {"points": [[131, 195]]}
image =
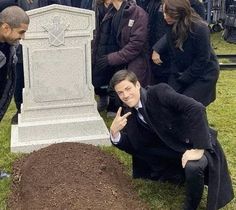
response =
{"points": [[58, 98]]}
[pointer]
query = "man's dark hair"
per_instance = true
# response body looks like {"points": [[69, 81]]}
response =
{"points": [[121, 76], [14, 16]]}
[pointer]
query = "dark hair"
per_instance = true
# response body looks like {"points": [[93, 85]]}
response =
{"points": [[121, 76], [14, 16], [185, 16]]}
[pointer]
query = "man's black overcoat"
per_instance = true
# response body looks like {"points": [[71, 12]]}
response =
{"points": [[7, 68], [181, 124], [7, 76]]}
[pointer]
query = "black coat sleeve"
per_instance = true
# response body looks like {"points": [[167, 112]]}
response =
{"points": [[202, 52], [161, 45], [193, 113], [124, 143]]}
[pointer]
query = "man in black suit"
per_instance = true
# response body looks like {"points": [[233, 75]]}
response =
{"points": [[13, 25], [168, 136]]}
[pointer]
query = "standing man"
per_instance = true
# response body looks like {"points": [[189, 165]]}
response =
{"points": [[125, 29], [168, 136], [13, 25]]}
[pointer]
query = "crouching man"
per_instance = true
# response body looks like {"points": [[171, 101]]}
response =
{"points": [[169, 139], [13, 25]]}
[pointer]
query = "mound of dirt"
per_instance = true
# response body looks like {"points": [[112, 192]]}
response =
{"points": [[71, 176]]}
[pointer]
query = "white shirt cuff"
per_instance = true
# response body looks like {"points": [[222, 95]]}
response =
{"points": [[116, 139]]}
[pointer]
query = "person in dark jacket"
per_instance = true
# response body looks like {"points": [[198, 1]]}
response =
{"points": [[32, 4], [87, 4], [130, 25], [76, 3], [157, 28], [168, 136], [13, 25], [194, 66], [104, 43], [130, 30]]}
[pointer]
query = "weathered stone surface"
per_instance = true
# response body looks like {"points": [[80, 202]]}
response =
{"points": [[58, 98]]}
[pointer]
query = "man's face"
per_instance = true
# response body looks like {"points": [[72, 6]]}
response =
{"points": [[128, 92], [14, 35]]}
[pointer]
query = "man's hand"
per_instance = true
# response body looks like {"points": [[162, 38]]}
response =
{"points": [[119, 122], [156, 58], [30, 1], [193, 154]]}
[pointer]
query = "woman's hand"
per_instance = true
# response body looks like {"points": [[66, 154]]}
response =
{"points": [[156, 58]]}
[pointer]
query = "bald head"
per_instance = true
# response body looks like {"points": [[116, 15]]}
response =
{"points": [[13, 25], [14, 16]]}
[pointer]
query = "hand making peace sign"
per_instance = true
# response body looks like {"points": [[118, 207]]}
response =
{"points": [[119, 122]]}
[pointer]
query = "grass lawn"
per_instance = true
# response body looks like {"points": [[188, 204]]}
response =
{"points": [[220, 46], [221, 115]]}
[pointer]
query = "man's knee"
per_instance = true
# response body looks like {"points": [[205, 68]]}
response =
{"points": [[196, 168]]}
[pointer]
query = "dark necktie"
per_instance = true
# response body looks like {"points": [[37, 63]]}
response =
{"points": [[141, 111]]}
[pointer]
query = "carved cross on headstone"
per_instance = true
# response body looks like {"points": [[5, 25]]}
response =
{"points": [[56, 31]]}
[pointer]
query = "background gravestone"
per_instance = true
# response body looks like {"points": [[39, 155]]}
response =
{"points": [[58, 98]]}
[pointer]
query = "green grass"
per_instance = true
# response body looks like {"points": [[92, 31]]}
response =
{"points": [[221, 115], [6, 158], [220, 46]]}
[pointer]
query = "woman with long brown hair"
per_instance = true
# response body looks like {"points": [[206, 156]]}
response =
{"points": [[194, 66]]}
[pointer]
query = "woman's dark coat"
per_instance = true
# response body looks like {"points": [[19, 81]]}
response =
{"points": [[132, 41], [180, 123], [157, 28], [195, 69]]}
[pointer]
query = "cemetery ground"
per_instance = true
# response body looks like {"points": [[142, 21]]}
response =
{"points": [[159, 196]]}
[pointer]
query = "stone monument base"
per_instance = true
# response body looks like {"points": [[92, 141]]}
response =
{"points": [[29, 136], [58, 98]]}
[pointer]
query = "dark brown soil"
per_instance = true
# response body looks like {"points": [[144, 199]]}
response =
{"points": [[71, 176]]}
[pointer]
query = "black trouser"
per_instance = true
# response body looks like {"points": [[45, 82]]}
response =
{"points": [[194, 178], [101, 91], [114, 101], [168, 168]]}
